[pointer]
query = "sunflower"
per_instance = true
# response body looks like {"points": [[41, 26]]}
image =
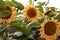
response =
{"points": [[9, 18], [31, 13], [50, 29]]}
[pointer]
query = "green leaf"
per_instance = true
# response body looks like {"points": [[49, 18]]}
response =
{"points": [[34, 23], [51, 14], [4, 13], [31, 25], [41, 20], [58, 17], [2, 5], [41, 9], [41, 3], [19, 5], [19, 13], [18, 26], [40, 6], [10, 3]]}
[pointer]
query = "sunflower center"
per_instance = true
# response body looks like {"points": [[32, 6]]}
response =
{"points": [[50, 28], [31, 12]]}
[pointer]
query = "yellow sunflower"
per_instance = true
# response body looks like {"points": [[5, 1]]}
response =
{"points": [[31, 13], [11, 17], [50, 29]]}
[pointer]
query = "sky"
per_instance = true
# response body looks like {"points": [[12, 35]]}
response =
{"points": [[53, 3]]}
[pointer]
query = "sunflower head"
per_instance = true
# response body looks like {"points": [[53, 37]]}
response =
{"points": [[49, 29], [31, 12], [8, 19]]}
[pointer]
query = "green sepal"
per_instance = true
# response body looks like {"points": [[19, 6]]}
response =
{"points": [[4, 13]]}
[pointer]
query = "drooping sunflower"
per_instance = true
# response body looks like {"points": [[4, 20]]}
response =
{"points": [[50, 29], [52, 9], [9, 18], [31, 13], [47, 12]]}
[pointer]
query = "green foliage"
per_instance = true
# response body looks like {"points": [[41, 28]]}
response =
{"points": [[41, 3], [41, 19], [2, 5], [33, 24], [4, 13], [19, 26], [40, 6], [58, 17], [18, 5], [51, 14], [10, 3], [19, 13]]}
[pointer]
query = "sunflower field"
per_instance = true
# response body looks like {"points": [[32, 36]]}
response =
{"points": [[28, 22]]}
